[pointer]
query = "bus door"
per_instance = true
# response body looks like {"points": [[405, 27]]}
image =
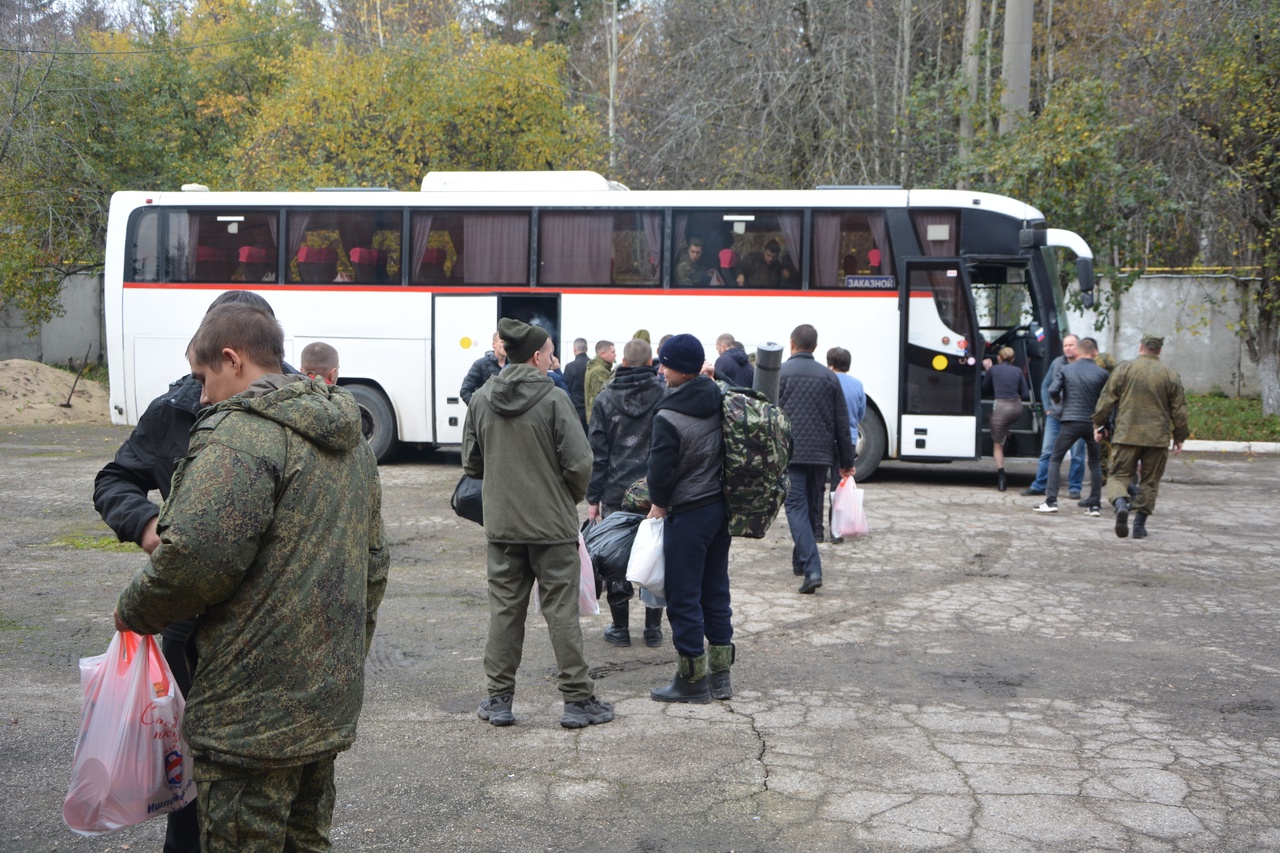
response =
{"points": [[464, 329], [463, 332], [939, 367]]}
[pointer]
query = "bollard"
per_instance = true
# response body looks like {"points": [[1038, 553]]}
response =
{"points": [[768, 363]]}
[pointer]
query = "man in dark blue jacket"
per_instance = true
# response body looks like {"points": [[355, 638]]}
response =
{"points": [[733, 365], [813, 400], [575, 374], [145, 463], [1077, 387], [686, 487]]}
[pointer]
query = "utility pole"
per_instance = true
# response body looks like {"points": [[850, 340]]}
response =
{"points": [[613, 83]]}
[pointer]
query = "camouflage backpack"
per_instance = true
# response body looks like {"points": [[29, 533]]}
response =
{"points": [[757, 448]]}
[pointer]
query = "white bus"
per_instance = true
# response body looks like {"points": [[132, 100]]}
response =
{"points": [[409, 286]]}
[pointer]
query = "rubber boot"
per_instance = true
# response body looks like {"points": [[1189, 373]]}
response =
{"points": [[719, 659], [1001, 482], [653, 627], [1122, 517], [1139, 525], [619, 633], [690, 683]]}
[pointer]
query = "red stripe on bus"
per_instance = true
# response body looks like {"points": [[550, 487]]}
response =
{"points": [[480, 289]]}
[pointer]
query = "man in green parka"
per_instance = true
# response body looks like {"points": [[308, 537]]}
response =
{"points": [[272, 534], [1149, 403], [525, 443]]}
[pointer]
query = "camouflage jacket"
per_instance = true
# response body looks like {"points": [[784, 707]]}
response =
{"points": [[273, 534], [1148, 400], [597, 375]]}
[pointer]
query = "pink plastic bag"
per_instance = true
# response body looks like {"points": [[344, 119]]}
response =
{"points": [[848, 518], [588, 601], [131, 763]]}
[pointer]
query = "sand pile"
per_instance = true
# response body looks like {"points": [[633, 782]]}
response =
{"points": [[33, 393]]}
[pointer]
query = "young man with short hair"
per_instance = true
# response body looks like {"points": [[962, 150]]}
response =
{"points": [[273, 534]]}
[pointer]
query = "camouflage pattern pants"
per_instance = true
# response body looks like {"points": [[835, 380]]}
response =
{"points": [[248, 811], [512, 571], [1125, 459]]}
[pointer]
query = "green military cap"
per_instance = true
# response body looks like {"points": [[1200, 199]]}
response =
{"points": [[1153, 341]]}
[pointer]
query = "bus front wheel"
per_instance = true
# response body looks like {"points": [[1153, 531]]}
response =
{"points": [[377, 420], [871, 444]]}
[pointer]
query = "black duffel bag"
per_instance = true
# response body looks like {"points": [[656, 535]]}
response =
{"points": [[466, 500], [609, 544]]}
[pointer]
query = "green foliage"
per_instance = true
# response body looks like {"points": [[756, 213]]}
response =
{"points": [[1220, 418], [1072, 161], [388, 117]]}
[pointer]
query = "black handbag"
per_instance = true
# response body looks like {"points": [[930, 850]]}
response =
{"points": [[466, 500]]}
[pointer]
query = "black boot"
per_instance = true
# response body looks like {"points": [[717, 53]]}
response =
{"points": [[619, 633], [1001, 483], [653, 626], [719, 659], [1122, 517], [1139, 525], [690, 683]]}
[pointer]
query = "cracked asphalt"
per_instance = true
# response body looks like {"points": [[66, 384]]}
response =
{"points": [[972, 676]]}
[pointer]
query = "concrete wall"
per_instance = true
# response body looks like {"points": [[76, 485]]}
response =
{"points": [[63, 339], [1197, 317]]}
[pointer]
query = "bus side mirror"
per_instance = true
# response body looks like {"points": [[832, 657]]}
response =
{"points": [[1033, 238], [1084, 274]]}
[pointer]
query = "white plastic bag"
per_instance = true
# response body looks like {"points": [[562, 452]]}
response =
{"points": [[646, 567], [588, 601], [848, 518], [131, 763]]}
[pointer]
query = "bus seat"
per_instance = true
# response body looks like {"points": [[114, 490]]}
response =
{"points": [[317, 264], [370, 265], [212, 264], [255, 264]]}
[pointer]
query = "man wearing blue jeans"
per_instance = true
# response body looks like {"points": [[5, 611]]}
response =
{"points": [[1053, 425]]}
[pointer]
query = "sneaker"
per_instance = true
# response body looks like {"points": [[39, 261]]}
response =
{"points": [[497, 710], [1093, 512], [653, 637], [1030, 492], [588, 712], [1046, 507], [1074, 494]]}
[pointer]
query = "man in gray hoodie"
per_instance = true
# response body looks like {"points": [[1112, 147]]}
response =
{"points": [[526, 444]]}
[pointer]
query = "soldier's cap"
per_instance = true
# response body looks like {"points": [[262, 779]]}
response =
{"points": [[520, 339], [684, 353], [1153, 341]]}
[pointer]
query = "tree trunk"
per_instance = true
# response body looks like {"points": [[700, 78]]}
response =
{"points": [[1019, 15], [972, 28]]}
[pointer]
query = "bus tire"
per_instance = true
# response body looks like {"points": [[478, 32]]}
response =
{"points": [[871, 445], [377, 420]]}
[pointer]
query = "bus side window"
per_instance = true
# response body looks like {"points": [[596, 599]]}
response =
{"points": [[848, 246]]}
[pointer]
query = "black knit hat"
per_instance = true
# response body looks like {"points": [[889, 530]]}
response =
{"points": [[520, 339], [684, 353]]}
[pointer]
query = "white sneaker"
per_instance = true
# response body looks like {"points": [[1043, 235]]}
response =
{"points": [[1093, 512], [1047, 508]]}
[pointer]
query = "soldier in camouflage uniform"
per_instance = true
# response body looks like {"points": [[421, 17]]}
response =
{"points": [[273, 535], [1148, 400], [692, 271]]}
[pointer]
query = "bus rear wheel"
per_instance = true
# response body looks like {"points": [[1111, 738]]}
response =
{"points": [[377, 420], [871, 444]]}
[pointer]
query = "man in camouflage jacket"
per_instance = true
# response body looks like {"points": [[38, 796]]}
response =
{"points": [[1149, 403], [273, 535]]}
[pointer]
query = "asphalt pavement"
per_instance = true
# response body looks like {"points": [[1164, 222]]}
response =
{"points": [[972, 676]]}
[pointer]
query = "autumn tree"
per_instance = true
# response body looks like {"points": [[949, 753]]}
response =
{"points": [[386, 117]]}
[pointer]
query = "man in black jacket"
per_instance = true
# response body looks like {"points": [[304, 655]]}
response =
{"points": [[621, 426], [1077, 387], [685, 484], [813, 400], [483, 369], [575, 374], [145, 463]]}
